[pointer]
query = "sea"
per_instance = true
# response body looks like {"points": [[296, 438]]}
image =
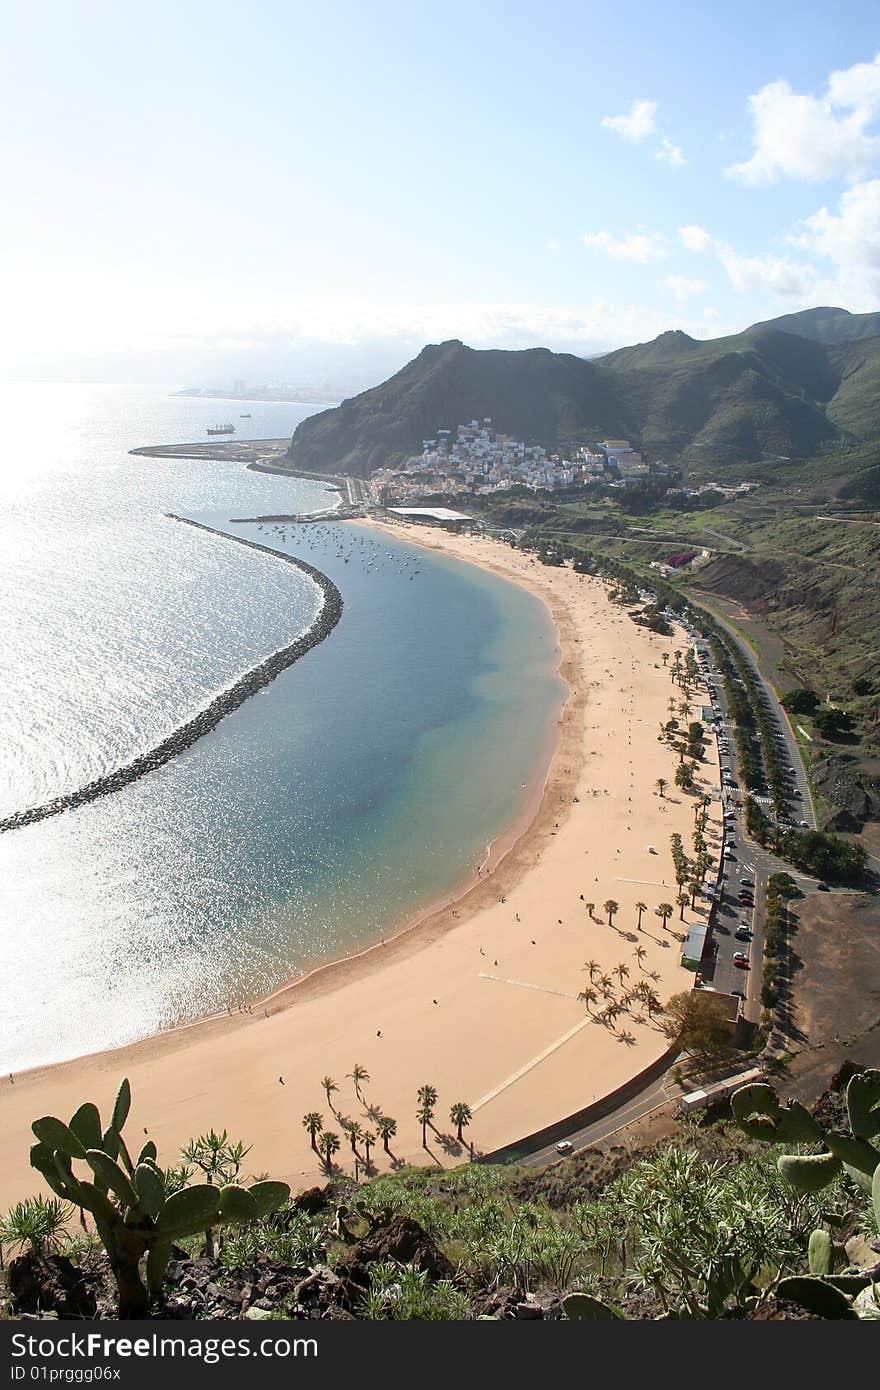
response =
{"points": [[364, 783]]}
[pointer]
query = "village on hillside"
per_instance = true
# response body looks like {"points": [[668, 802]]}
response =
{"points": [[476, 460]]}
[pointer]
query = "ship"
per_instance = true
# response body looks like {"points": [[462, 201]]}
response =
{"points": [[221, 429], [245, 417]]}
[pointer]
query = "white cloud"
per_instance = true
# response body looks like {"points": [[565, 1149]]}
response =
{"points": [[784, 279], [638, 246], [850, 239], [813, 138], [682, 287], [670, 154], [695, 238], [637, 124]]}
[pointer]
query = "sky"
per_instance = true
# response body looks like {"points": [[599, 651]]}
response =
{"points": [[297, 192]]}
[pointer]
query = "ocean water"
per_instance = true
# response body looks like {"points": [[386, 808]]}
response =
{"points": [[365, 781]]}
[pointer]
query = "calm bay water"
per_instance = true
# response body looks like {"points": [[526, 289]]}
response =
{"points": [[364, 781]]}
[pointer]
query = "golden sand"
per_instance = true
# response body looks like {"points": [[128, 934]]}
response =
{"points": [[479, 998]]}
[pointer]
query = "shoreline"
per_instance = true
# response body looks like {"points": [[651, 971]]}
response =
{"points": [[479, 1026], [206, 719]]}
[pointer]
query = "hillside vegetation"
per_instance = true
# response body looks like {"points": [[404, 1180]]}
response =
{"points": [[714, 1221]]}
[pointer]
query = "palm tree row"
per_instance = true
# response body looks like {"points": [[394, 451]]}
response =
{"points": [[326, 1142]]}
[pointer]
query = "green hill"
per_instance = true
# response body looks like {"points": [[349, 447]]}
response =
{"points": [[765, 392], [535, 394], [827, 325]]}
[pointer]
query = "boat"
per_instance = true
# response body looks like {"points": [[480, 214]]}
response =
{"points": [[221, 429], [245, 417]]}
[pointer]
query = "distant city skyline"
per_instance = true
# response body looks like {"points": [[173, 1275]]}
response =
{"points": [[194, 194]]}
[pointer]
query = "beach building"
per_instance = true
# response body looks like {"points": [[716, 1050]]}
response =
{"points": [[435, 516], [692, 950]]}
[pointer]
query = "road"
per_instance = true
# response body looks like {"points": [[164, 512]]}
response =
{"points": [[656, 1094]]}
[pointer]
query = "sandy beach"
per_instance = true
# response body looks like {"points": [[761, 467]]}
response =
{"points": [[479, 998]]}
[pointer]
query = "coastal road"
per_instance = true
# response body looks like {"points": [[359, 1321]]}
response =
{"points": [[656, 1094]]}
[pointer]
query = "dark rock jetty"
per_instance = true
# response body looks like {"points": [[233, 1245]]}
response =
{"points": [[220, 706]]}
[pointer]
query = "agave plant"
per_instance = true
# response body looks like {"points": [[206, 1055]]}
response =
{"points": [[136, 1217], [37, 1222]]}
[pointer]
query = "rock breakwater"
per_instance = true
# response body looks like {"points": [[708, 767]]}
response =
{"points": [[209, 717]]}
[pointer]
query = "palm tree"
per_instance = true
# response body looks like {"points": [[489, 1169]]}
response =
{"points": [[642, 907], [387, 1129], [427, 1100], [652, 999], [593, 967], [591, 907], [611, 907], [460, 1114], [661, 784], [610, 1013], [355, 1134], [328, 1145], [357, 1075], [694, 889], [587, 997], [638, 991], [621, 971], [606, 984], [665, 910], [424, 1115], [640, 953], [314, 1123], [683, 901], [369, 1139], [329, 1086]]}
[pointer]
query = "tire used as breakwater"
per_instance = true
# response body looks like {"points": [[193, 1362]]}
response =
{"points": [[208, 718]]}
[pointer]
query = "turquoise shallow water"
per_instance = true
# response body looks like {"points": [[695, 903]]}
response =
{"points": [[363, 782]]}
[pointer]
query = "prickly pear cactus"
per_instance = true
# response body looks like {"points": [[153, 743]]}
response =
{"points": [[863, 1103], [127, 1200], [582, 1307], [758, 1113]]}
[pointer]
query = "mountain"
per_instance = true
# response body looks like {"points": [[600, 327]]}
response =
{"points": [[533, 394], [765, 392], [827, 325]]}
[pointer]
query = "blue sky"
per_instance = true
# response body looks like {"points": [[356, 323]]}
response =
{"points": [[289, 189]]}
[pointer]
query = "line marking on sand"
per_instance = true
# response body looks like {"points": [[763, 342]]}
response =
{"points": [[524, 984], [652, 882], [535, 1061]]}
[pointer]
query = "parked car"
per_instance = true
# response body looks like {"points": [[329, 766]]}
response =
{"points": [[741, 960], [746, 900], [823, 888], [743, 933], [739, 993]]}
